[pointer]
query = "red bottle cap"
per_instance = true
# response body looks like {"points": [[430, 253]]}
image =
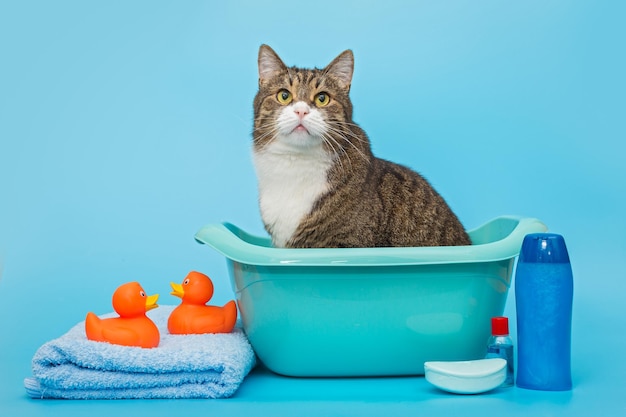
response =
{"points": [[499, 326]]}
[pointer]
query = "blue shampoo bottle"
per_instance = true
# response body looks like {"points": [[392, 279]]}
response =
{"points": [[543, 296]]}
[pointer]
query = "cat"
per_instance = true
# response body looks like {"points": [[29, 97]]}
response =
{"points": [[320, 186]]}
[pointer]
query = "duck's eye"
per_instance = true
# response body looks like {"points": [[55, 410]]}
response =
{"points": [[284, 97], [143, 294], [186, 281], [322, 99]]}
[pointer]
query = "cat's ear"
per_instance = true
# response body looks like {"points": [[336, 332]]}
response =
{"points": [[342, 68], [269, 63]]}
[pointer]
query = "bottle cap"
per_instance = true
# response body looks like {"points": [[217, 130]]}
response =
{"points": [[499, 326], [543, 248]]}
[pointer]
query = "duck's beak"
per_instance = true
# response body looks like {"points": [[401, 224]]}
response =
{"points": [[178, 290], [151, 302]]}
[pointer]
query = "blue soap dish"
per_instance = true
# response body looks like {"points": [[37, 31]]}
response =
{"points": [[466, 377]]}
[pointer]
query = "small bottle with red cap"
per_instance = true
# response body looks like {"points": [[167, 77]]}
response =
{"points": [[500, 345]]}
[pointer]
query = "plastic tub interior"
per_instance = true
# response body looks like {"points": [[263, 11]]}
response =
{"points": [[369, 311]]}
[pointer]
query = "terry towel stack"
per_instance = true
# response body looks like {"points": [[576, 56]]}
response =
{"points": [[182, 366]]}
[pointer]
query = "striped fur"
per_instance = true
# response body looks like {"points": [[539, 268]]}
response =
{"points": [[319, 183]]}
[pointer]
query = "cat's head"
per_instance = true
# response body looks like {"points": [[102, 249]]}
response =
{"points": [[303, 108]]}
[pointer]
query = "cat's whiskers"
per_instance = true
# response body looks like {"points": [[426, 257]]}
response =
{"points": [[269, 130], [348, 125], [243, 120], [346, 135], [327, 133], [270, 133], [332, 142]]}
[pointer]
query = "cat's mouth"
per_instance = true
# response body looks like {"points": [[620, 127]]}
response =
{"points": [[300, 129]]}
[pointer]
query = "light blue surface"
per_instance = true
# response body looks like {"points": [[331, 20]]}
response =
{"points": [[125, 126]]}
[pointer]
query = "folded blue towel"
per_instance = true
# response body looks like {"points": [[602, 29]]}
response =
{"points": [[182, 366]]}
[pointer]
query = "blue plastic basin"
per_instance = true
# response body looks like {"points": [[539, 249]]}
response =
{"points": [[369, 311]]}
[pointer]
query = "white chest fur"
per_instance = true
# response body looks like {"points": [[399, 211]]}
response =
{"points": [[290, 180]]}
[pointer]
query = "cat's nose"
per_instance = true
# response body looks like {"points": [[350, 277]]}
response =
{"points": [[301, 109]]}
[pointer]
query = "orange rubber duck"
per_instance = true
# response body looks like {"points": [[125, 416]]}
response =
{"points": [[192, 316], [132, 327]]}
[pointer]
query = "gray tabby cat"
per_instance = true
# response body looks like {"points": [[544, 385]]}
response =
{"points": [[319, 183]]}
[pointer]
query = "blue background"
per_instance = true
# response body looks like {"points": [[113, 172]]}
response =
{"points": [[125, 127]]}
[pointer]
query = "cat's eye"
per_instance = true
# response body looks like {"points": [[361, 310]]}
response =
{"points": [[322, 99], [284, 97]]}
